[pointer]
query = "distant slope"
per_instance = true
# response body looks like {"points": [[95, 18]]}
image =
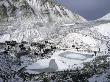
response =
{"points": [[104, 29], [106, 17]]}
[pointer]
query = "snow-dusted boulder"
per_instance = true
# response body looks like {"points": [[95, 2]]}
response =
{"points": [[53, 64], [57, 65]]}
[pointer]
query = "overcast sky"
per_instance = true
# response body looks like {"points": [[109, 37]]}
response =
{"points": [[90, 9]]}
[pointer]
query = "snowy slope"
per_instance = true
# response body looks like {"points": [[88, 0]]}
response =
{"points": [[33, 20], [53, 11], [45, 10], [104, 29], [106, 17]]}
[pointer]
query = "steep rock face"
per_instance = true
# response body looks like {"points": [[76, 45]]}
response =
{"points": [[14, 8], [48, 9], [33, 20], [43, 9]]}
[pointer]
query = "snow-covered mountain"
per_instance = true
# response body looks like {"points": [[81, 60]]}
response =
{"points": [[47, 10], [106, 17], [33, 20], [104, 27]]}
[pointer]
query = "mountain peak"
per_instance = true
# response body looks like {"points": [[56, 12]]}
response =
{"points": [[44, 9], [33, 20], [106, 17]]}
